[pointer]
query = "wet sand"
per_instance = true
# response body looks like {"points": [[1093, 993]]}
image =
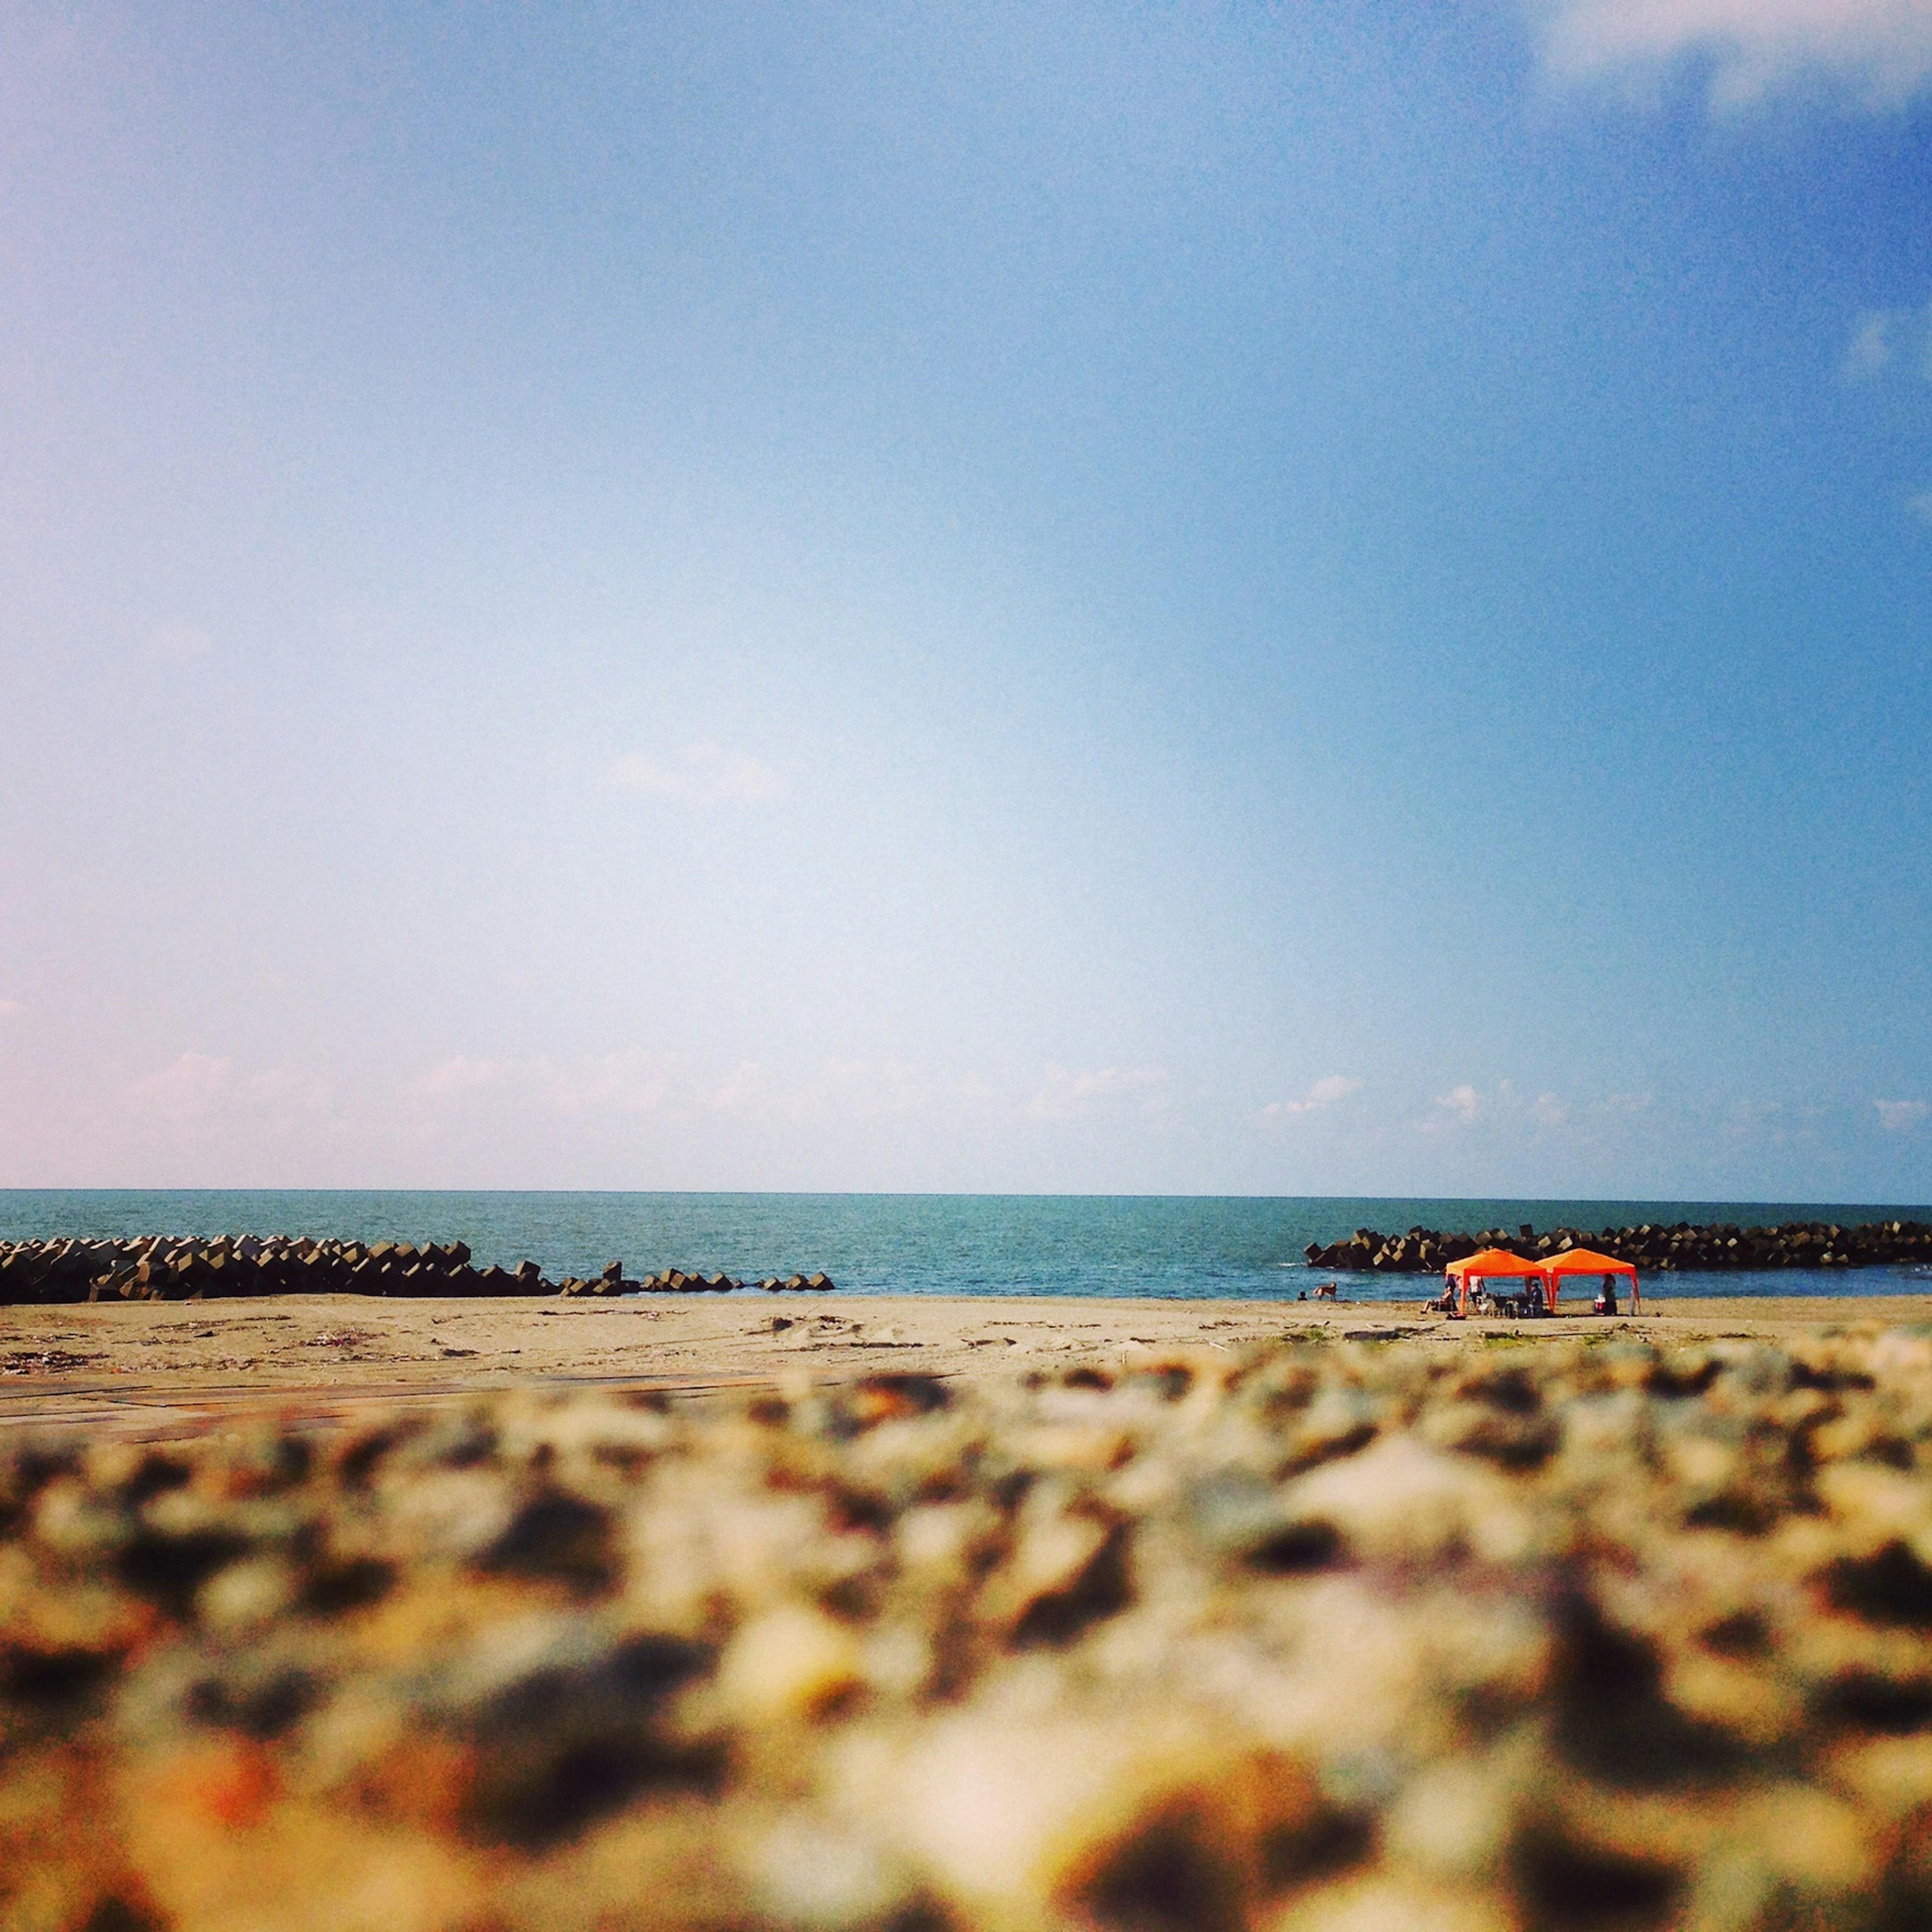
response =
{"points": [[150, 1371]]}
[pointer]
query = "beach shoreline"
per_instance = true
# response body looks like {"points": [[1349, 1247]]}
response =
{"points": [[159, 1370]]}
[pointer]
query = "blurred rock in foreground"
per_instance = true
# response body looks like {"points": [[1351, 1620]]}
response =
{"points": [[1568, 1635]]}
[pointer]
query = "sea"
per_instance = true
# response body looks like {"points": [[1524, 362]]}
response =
{"points": [[1190, 1247]]}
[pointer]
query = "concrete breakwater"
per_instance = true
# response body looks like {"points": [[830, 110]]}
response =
{"points": [[160, 1267], [1716, 1247]]}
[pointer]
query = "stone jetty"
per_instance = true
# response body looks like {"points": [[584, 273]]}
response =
{"points": [[1652, 1247], [161, 1267]]}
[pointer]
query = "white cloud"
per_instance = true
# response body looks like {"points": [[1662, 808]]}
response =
{"points": [[1883, 340], [1505, 1109], [844, 1090], [1870, 349], [701, 774], [1746, 1120], [1324, 1093], [874, 1087], [1879, 52], [637, 1083], [461, 1074], [1896, 1116], [612, 1082], [193, 1084], [625, 1083], [1067, 1093], [177, 643], [1921, 505], [200, 1087], [1621, 1104]]}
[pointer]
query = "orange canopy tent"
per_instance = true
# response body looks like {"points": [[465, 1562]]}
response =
{"points": [[1491, 1265], [1587, 1260]]}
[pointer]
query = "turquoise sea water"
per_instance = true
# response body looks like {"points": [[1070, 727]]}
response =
{"points": [[1193, 1246]]}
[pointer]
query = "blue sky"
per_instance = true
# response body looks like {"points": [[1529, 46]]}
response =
{"points": [[1290, 600]]}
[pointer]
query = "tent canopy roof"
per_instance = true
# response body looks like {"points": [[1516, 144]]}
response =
{"points": [[1491, 1263], [1586, 1261]]}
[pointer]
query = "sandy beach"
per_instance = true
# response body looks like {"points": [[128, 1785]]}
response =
{"points": [[151, 1370], [1000, 1617]]}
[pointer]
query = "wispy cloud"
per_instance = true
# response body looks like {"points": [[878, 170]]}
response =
{"points": [[634, 1082], [1065, 1094], [621, 1083], [202, 1087], [853, 1089], [1617, 1105], [700, 774], [191, 1085], [1505, 1109], [1872, 348], [1876, 52], [1888, 344], [1324, 1093], [1747, 1119], [1897, 1117], [1921, 505]]}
